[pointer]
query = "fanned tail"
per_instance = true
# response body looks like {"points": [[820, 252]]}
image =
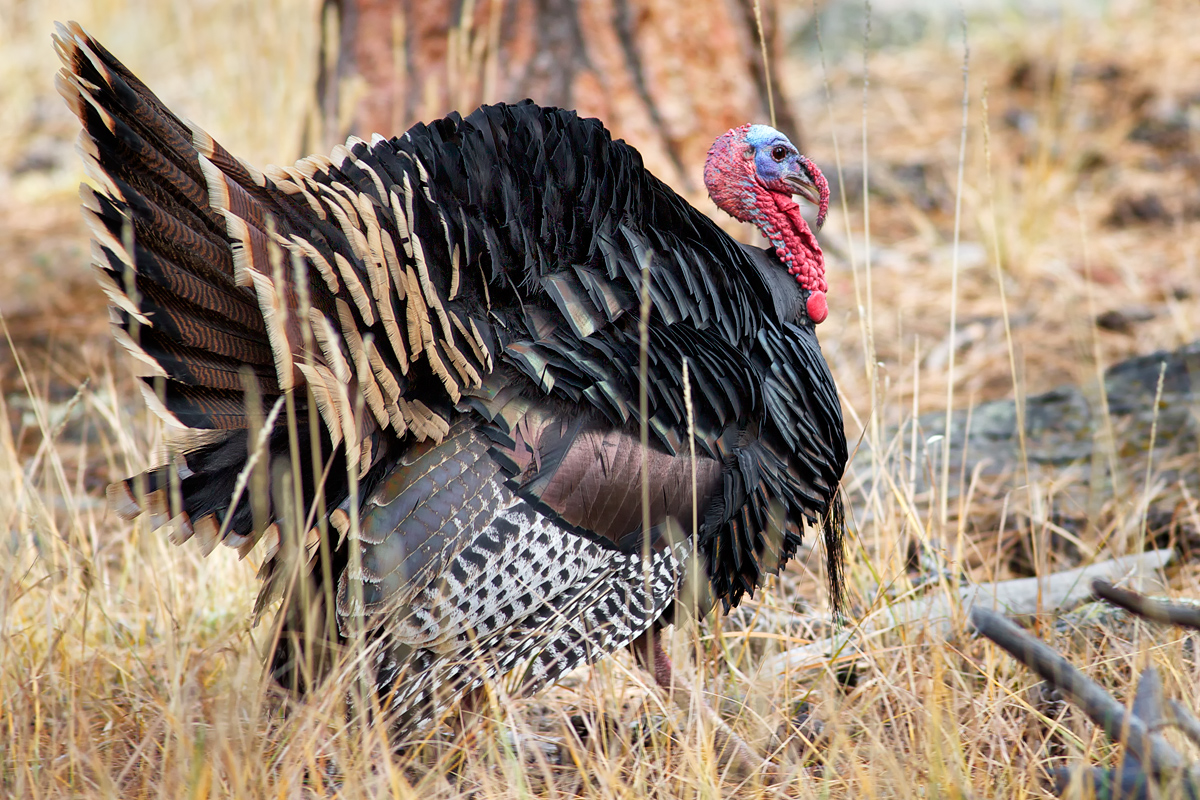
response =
{"points": [[293, 322], [185, 299]]}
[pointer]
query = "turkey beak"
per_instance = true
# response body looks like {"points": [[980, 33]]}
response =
{"points": [[800, 184], [808, 182]]}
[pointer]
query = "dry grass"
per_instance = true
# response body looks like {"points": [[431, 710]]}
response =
{"points": [[129, 668]]}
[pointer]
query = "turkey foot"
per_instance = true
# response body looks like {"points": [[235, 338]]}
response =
{"points": [[650, 655]]}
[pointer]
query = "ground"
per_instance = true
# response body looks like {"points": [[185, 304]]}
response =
{"points": [[1057, 237]]}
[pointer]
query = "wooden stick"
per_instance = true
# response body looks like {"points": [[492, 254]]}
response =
{"points": [[1153, 610], [1149, 747], [939, 611], [1181, 717]]}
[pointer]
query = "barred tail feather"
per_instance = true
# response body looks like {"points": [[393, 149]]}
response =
{"points": [[226, 279], [172, 225]]}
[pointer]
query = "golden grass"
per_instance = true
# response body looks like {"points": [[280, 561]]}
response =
{"points": [[129, 668]]}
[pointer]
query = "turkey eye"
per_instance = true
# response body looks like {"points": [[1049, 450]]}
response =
{"points": [[779, 153]]}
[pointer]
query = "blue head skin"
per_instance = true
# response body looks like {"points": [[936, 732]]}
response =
{"points": [[780, 166]]}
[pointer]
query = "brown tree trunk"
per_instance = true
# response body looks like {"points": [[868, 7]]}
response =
{"points": [[667, 76]]}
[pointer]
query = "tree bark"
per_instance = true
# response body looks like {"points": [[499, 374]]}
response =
{"points": [[668, 77]]}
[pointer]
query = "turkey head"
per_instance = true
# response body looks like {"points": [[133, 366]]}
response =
{"points": [[751, 173]]}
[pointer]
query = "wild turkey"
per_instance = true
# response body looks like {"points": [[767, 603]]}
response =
{"points": [[417, 367]]}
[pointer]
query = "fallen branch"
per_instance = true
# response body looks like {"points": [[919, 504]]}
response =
{"points": [[940, 612], [1182, 718], [1152, 761], [1091, 698], [1154, 610], [1184, 616]]}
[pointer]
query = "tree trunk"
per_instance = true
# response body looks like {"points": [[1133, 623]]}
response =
{"points": [[667, 76]]}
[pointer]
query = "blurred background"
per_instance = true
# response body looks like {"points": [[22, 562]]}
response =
{"points": [[1079, 166], [1016, 209]]}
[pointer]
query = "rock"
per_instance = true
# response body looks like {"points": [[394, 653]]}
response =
{"points": [[1066, 427]]}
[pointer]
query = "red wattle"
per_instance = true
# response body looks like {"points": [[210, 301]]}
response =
{"points": [[794, 240], [780, 220], [818, 309]]}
